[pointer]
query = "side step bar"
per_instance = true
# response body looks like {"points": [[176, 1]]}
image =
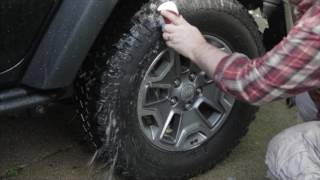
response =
{"points": [[20, 98]]}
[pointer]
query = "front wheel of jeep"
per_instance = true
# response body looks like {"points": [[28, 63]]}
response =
{"points": [[157, 112]]}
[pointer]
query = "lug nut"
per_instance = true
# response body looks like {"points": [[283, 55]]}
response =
{"points": [[192, 77], [199, 91], [188, 106], [206, 77], [148, 84], [173, 100], [177, 83]]}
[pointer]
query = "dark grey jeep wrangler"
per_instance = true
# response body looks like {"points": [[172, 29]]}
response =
{"points": [[137, 100]]}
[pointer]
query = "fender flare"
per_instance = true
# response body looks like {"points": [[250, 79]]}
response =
{"points": [[66, 43]]}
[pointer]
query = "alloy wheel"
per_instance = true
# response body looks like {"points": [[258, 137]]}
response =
{"points": [[179, 107]]}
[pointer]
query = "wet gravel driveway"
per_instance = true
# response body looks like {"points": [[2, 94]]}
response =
{"points": [[51, 147]]}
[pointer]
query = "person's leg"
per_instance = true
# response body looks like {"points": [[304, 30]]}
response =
{"points": [[294, 154]]}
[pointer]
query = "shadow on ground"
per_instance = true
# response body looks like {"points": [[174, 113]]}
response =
{"points": [[51, 147]]}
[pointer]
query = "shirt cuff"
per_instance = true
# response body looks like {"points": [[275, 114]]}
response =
{"points": [[223, 64]]}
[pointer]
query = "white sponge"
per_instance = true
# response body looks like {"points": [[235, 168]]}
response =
{"points": [[169, 6]]}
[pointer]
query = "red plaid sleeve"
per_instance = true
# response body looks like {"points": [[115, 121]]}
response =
{"points": [[292, 67]]}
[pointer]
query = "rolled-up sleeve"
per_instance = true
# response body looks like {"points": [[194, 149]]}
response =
{"points": [[291, 67]]}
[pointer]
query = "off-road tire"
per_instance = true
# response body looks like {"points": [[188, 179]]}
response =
{"points": [[108, 98]]}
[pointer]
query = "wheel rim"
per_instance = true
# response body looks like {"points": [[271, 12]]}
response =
{"points": [[179, 107]]}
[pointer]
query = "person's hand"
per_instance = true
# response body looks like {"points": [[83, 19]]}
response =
{"points": [[186, 39]]}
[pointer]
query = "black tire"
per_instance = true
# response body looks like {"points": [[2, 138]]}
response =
{"points": [[109, 105]]}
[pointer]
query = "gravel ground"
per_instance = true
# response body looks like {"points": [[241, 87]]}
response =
{"points": [[51, 147]]}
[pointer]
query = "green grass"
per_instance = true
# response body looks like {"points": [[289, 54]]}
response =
{"points": [[13, 172]]}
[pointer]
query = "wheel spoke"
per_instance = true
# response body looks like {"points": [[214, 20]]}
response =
{"points": [[217, 98], [163, 80], [171, 128], [218, 43], [210, 94], [226, 101], [175, 57], [162, 107], [159, 84], [193, 131], [165, 71], [209, 111], [203, 80], [155, 115], [151, 120], [152, 113], [194, 68]]}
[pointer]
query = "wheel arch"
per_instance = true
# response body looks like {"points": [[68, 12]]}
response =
{"points": [[68, 40], [275, 12], [251, 4]]}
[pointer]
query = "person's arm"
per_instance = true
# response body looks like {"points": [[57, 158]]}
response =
{"points": [[188, 41], [293, 66]]}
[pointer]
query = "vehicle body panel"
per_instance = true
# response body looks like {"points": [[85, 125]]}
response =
{"points": [[64, 45], [21, 22], [289, 15], [67, 42]]}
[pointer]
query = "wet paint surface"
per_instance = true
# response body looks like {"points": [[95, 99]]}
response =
{"points": [[20, 21]]}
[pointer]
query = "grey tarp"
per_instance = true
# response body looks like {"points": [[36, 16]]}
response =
{"points": [[294, 154]]}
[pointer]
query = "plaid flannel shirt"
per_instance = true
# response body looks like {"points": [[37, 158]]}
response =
{"points": [[291, 67]]}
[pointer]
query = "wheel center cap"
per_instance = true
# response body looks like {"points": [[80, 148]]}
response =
{"points": [[187, 92]]}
